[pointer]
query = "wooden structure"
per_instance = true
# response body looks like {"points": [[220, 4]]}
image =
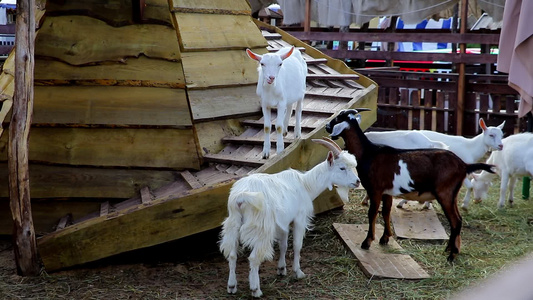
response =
{"points": [[418, 100], [143, 121]]}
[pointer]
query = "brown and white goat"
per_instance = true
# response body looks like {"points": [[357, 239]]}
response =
{"points": [[421, 174]]}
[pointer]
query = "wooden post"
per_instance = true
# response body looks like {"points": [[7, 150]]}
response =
{"points": [[461, 84], [307, 21], [24, 244]]}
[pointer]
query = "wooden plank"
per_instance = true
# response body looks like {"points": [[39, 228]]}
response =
{"points": [[232, 159], [132, 71], [191, 179], [414, 222], [118, 13], [378, 262], [332, 76], [113, 147], [60, 37], [224, 102], [104, 209], [212, 6], [45, 213], [112, 105], [254, 140], [146, 195], [204, 32], [163, 221], [233, 67], [48, 181], [64, 221]]}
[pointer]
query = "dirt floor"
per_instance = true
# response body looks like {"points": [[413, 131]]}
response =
{"points": [[193, 268]]}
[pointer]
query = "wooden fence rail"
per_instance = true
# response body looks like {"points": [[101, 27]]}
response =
{"points": [[423, 100]]}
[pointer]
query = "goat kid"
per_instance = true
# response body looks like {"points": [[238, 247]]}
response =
{"points": [[281, 83], [261, 208], [514, 161], [421, 175]]}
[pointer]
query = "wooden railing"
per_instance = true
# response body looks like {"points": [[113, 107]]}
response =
{"points": [[418, 100]]}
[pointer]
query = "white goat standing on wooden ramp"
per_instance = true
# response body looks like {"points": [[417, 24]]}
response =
{"points": [[261, 208], [281, 83]]}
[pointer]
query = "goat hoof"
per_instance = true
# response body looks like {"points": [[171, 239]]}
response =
{"points": [[257, 293], [298, 274], [384, 240], [365, 245], [451, 258], [266, 156], [232, 289], [282, 271]]}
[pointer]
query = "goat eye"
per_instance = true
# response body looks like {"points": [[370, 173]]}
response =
{"points": [[343, 169], [262, 64]]}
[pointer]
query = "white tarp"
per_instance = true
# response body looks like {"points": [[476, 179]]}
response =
{"points": [[346, 12]]}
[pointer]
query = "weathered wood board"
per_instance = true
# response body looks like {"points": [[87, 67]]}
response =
{"points": [[414, 222], [123, 147], [132, 71], [224, 102], [159, 221], [45, 214], [378, 261], [111, 105], [212, 6], [219, 68], [48, 181], [116, 13], [60, 37], [205, 32]]}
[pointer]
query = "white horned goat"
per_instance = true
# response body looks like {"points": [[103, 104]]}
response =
{"points": [[261, 208], [419, 174], [281, 83], [470, 150], [514, 161]]}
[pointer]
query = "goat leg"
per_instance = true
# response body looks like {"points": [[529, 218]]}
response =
{"points": [[386, 209]]}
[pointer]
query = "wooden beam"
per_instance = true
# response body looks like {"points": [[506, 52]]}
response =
{"points": [[461, 81], [146, 196], [25, 246], [407, 35]]}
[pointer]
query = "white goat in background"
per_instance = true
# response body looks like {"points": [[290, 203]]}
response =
{"points": [[261, 208], [514, 161], [281, 83], [470, 150]]}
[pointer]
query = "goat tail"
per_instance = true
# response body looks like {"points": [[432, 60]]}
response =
{"points": [[251, 221], [470, 168]]}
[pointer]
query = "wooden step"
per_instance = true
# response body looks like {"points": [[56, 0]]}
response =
{"points": [[316, 61], [191, 180], [65, 221], [260, 124], [232, 159], [332, 77], [252, 140]]}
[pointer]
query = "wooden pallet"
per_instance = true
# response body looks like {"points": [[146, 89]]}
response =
{"points": [[379, 261]]}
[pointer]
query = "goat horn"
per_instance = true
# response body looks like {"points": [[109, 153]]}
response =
{"points": [[331, 145]]}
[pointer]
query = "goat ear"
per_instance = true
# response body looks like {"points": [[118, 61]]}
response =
{"points": [[338, 128], [482, 124], [331, 158], [284, 56], [253, 55], [501, 125]]}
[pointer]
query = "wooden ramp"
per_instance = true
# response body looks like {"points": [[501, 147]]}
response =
{"points": [[197, 200], [414, 222], [379, 261]]}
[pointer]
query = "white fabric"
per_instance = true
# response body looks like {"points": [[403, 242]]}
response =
{"points": [[516, 48], [3, 16], [345, 12]]}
